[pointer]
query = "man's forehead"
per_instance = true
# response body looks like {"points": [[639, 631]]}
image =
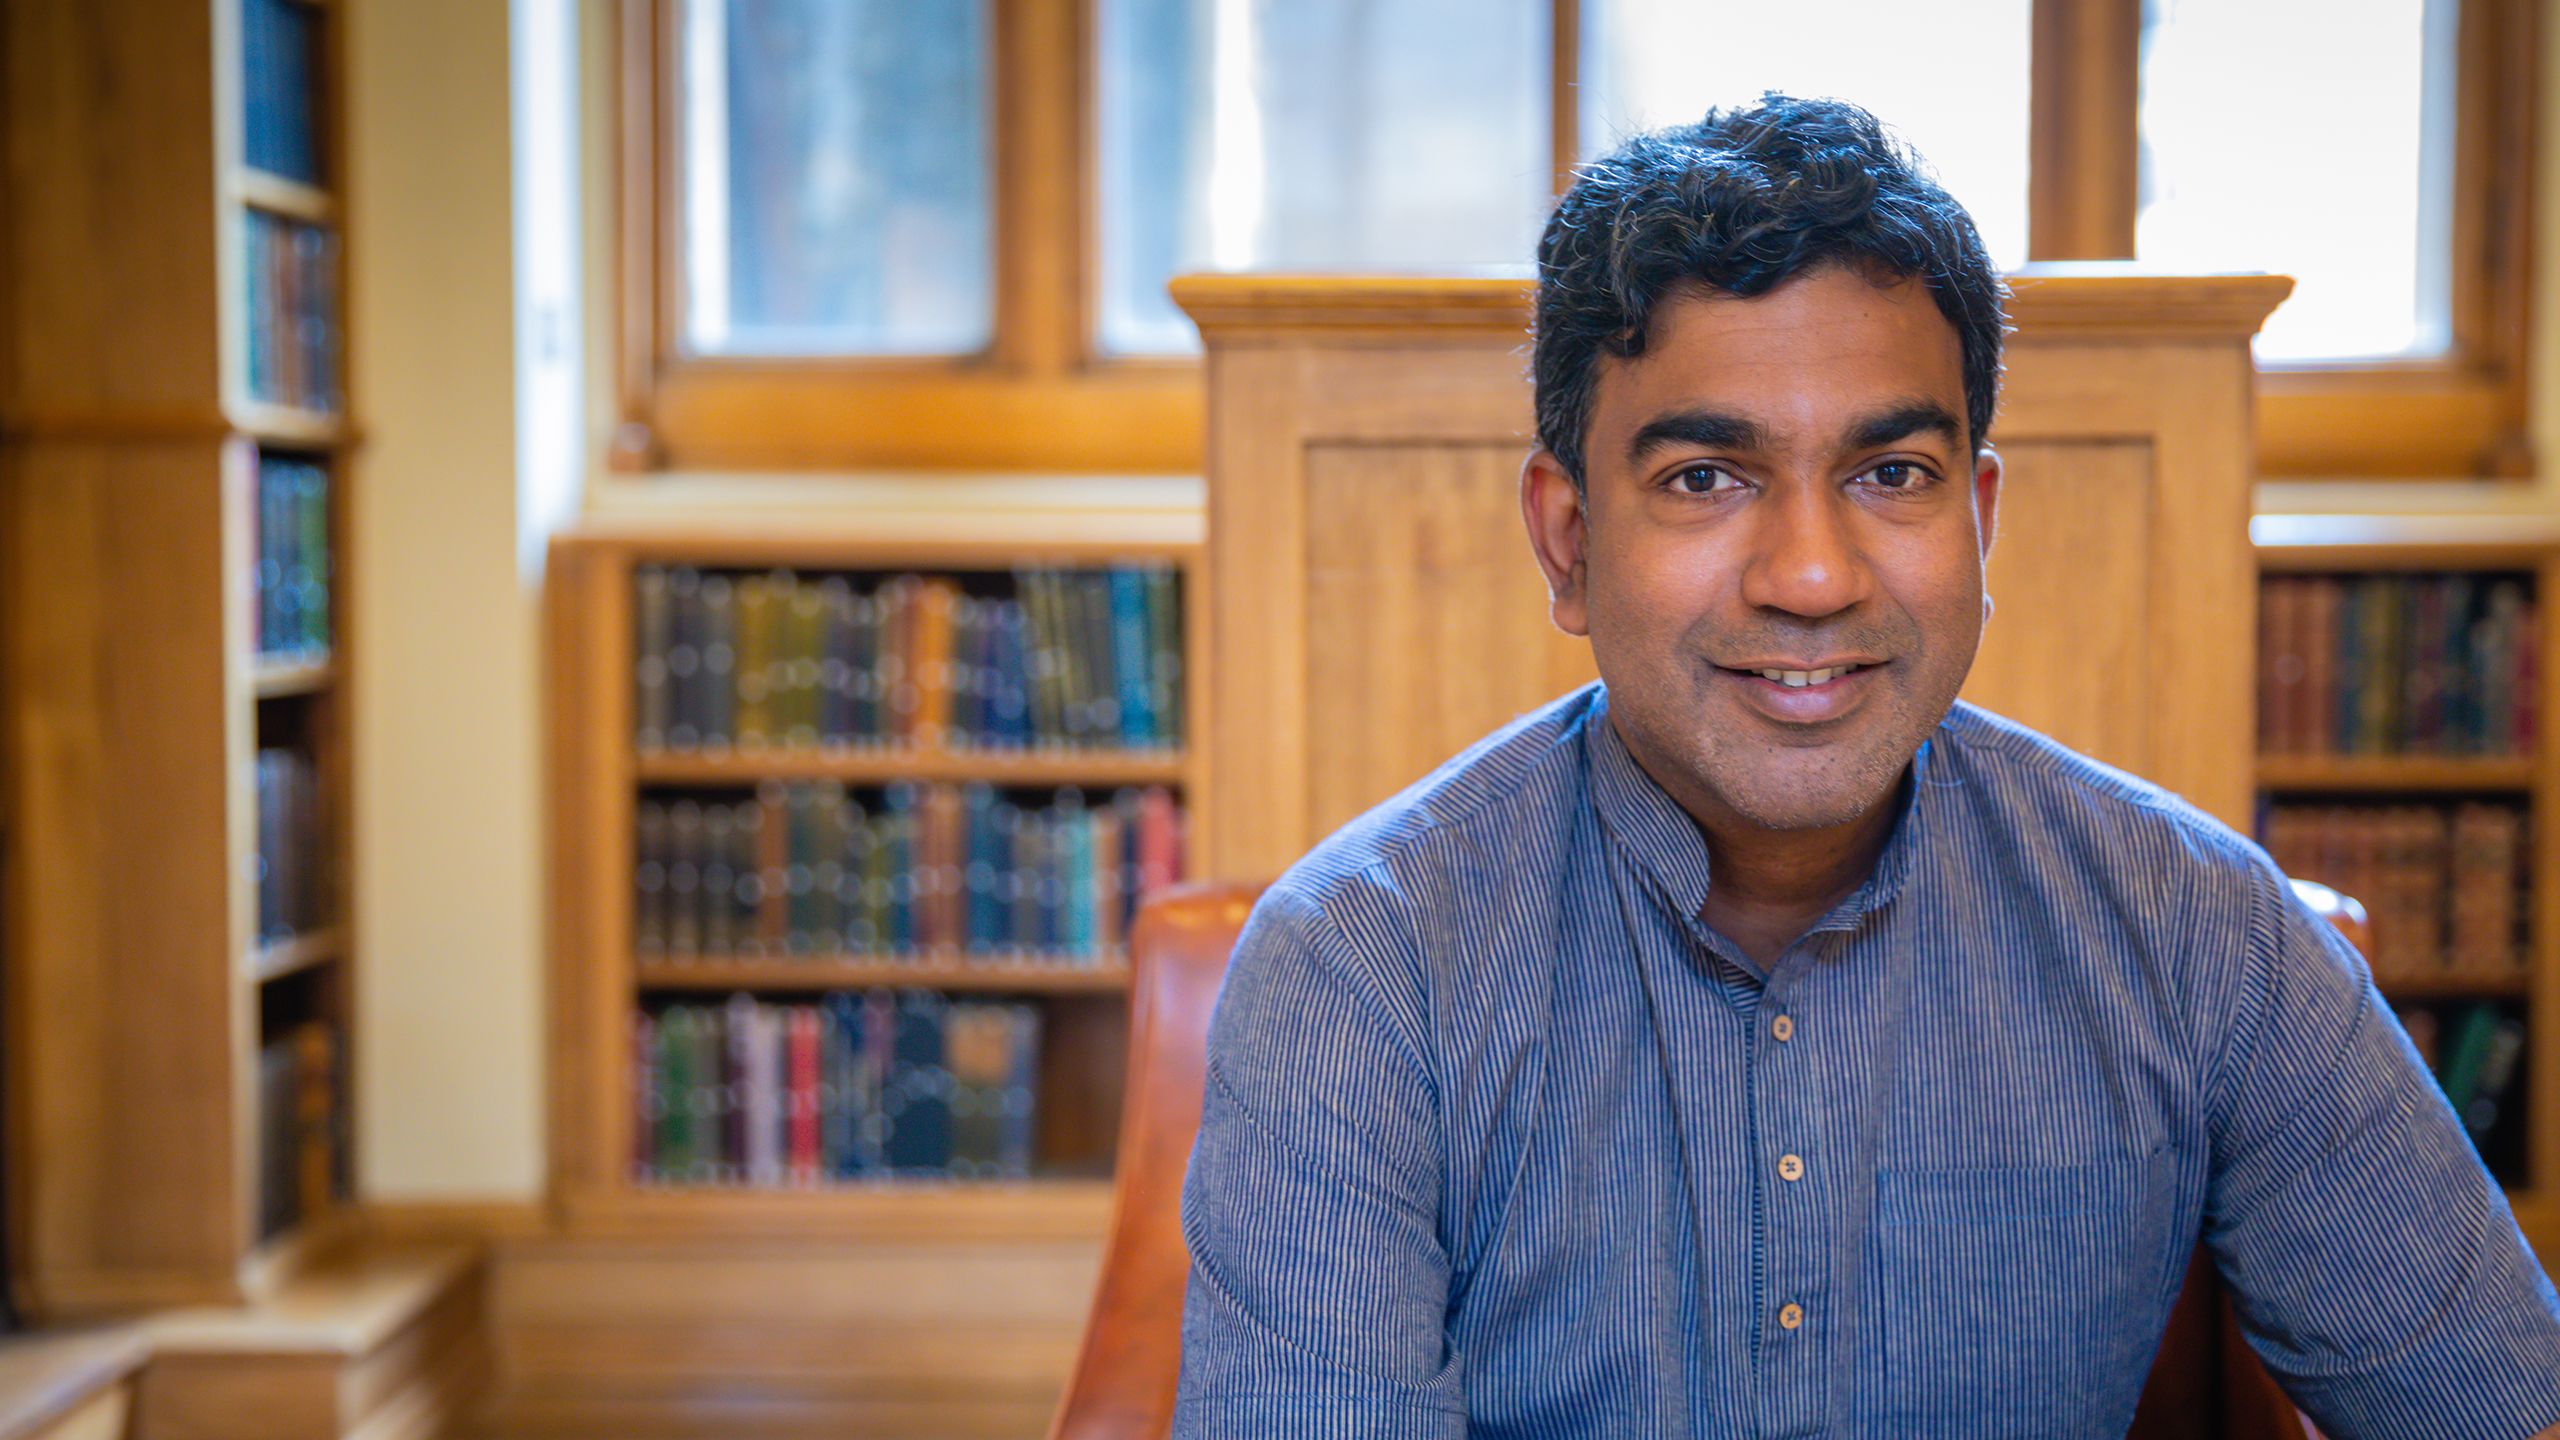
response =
{"points": [[1810, 353]]}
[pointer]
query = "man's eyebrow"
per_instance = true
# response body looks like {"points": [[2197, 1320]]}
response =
{"points": [[1917, 417], [1710, 429]]}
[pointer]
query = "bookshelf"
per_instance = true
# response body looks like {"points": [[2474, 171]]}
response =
{"points": [[183, 969], [850, 828], [2406, 757]]}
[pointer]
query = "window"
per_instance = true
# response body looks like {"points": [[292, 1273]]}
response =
{"points": [[914, 233], [833, 164]]}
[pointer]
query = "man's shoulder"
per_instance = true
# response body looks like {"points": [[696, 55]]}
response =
{"points": [[1506, 800], [2034, 786]]}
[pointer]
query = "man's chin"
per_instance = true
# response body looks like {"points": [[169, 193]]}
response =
{"points": [[1773, 801]]}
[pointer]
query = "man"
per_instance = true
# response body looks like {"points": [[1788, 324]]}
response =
{"points": [[1760, 1042]]}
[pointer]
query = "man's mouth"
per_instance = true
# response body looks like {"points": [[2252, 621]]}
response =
{"points": [[1806, 694], [1799, 679]]}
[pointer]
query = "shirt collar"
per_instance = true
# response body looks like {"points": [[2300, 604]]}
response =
{"points": [[1641, 817]]}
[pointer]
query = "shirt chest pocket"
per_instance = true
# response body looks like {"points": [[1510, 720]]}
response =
{"points": [[2017, 1301]]}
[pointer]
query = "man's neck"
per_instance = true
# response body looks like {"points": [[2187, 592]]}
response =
{"points": [[1767, 886]]}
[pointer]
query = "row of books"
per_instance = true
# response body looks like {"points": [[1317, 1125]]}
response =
{"points": [[2396, 665], [280, 88], [913, 870], [292, 869], [292, 570], [2441, 884], [291, 307], [1087, 658], [2477, 1053], [304, 1157], [858, 1084]]}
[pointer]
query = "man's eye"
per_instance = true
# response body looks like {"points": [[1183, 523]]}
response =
{"points": [[1700, 479], [1897, 475]]}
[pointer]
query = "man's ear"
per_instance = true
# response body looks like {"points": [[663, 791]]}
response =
{"points": [[1986, 496], [1553, 510]]}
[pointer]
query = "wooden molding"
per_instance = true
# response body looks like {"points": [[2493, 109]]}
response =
{"points": [[2059, 299]]}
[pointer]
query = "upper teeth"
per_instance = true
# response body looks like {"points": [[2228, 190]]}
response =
{"points": [[1797, 679]]}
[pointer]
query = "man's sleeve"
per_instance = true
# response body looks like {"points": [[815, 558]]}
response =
{"points": [[2376, 1268], [1319, 1285]]}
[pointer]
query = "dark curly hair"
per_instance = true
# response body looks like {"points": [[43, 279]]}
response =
{"points": [[1740, 201]]}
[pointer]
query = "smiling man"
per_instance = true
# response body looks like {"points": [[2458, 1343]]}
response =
{"points": [[1760, 1042]]}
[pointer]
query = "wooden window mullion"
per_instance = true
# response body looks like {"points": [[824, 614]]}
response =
{"points": [[1564, 88], [2083, 150], [1042, 169]]}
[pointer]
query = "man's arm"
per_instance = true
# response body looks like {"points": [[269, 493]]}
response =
{"points": [[2376, 1268], [1319, 1286]]}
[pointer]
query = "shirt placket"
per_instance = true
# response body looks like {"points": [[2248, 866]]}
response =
{"points": [[1793, 1170]]}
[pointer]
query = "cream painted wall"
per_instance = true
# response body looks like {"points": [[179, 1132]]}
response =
{"points": [[448, 698], [447, 735]]}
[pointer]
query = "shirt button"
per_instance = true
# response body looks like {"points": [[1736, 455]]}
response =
{"points": [[1791, 1317], [1790, 1168], [1783, 1028]]}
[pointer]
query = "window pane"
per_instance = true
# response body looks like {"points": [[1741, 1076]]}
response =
{"points": [[835, 177], [1312, 135], [2320, 149], [1950, 78]]}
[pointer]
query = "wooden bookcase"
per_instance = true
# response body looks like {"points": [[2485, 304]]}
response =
{"points": [[2529, 1157], [143, 980], [601, 774]]}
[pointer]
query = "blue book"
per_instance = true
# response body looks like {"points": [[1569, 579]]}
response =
{"points": [[900, 834], [1013, 663], [1130, 651], [916, 1101], [1018, 1102], [982, 875], [849, 1126], [1075, 878]]}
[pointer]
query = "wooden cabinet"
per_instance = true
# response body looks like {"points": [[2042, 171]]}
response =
{"points": [[1373, 607], [172, 340]]}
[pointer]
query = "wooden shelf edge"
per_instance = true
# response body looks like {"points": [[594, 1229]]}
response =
{"points": [[2449, 773], [2517, 986], [312, 1241], [905, 1210], [280, 195], [818, 972], [882, 764], [276, 959], [47, 1375], [287, 426], [276, 677]]}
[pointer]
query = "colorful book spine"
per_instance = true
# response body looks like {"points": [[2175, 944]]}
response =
{"points": [[847, 1086], [915, 872], [290, 305], [290, 575], [280, 88], [2441, 884], [1041, 657], [2397, 665]]}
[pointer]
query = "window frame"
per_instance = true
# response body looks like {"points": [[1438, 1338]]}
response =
{"points": [[1042, 397]]}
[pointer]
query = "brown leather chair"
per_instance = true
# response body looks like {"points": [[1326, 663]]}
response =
{"points": [[2206, 1383]]}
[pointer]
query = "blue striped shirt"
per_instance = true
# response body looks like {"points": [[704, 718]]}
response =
{"points": [[1498, 1139]]}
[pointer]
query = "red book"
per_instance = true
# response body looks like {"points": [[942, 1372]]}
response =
{"points": [[2322, 595], [1159, 852], [802, 1049], [2279, 664]]}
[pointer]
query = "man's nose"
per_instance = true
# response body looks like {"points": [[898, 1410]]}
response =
{"points": [[1805, 555]]}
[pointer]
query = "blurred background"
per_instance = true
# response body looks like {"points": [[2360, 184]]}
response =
{"points": [[405, 401]]}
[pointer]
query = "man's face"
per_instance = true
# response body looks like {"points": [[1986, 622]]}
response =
{"points": [[1778, 483]]}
